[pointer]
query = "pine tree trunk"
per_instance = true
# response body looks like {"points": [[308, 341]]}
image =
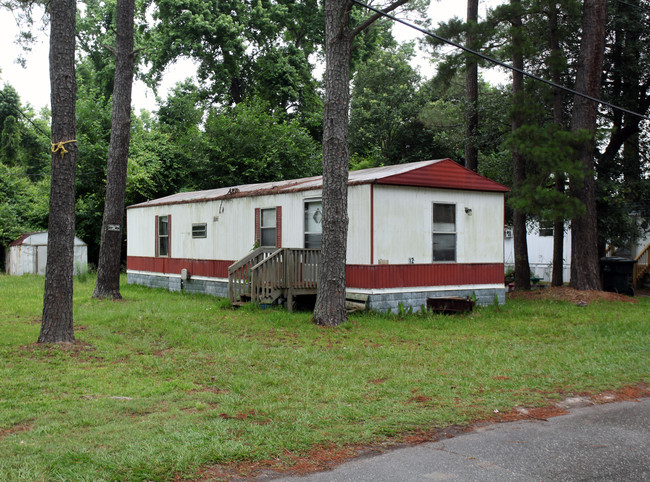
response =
{"points": [[108, 269], [522, 266], [631, 90], [585, 272], [557, 278], [330, 301], [471, 92], [57, 322]]}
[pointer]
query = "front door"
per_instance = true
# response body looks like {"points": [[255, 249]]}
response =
{"points": [[313, 224]]}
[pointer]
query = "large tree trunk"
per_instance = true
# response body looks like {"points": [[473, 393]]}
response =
{"points": [[330, 301], [108, 269], [522, 266], [57, 324], [471, 91], [631, 93], [585, 273], [557, 278]]}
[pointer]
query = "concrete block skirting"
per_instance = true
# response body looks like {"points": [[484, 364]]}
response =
{"points": [[174, 283], [418, 299], [382, 301]]}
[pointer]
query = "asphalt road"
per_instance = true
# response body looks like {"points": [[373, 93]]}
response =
{"points": [[603, 442]]}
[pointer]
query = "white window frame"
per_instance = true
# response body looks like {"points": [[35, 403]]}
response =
{"points": [[435, 233], [269, 228], [546, 229], [163, 236], [304, 224], [199, 230]]}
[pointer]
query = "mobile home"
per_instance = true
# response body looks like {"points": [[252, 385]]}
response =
{"points": [[416, 231]]}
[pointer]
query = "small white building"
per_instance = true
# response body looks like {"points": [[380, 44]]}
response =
{"points": [[28, 254], [419, 230], [539, 238]]}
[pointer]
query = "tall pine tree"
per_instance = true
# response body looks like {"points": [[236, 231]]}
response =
{"points": [[57, 322]]}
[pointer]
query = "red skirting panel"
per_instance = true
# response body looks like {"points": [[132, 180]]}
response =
{"points": [[401, 275], [358, 276], [196, 267]]}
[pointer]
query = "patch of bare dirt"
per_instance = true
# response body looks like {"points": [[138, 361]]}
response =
{"points": [[326, 457], [18, 428], [73, 348], [565, 293], [321, 457]]}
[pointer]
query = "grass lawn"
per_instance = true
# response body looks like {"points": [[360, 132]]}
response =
{"points": [[162, 383]]}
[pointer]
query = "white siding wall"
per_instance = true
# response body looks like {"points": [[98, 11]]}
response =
{"points": [[403, 218], [229, 237], [540, 252], [359, 225], [22, 260], [402, 225]]}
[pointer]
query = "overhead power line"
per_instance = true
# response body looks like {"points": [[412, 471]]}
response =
{"points": [[498, 62], [640, 7], [23, 115]]}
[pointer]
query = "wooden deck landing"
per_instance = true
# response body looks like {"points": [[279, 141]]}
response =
{"points": [[267, 274]]}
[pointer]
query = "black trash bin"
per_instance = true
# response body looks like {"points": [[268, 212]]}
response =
{"points": [[616, 273]]}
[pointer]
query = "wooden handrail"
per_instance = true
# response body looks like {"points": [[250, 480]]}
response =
{"points": [[268, 258], [642, 265], [253, 254], [239, 274], [643, 252], [267, 273]]}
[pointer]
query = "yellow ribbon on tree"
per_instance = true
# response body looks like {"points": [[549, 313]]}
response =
{"points": [[60, 146]]}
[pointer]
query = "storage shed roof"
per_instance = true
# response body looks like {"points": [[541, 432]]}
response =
{"points": [[439, 173], [38, 238]]}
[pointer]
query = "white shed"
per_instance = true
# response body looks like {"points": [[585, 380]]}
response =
{"points": [[28, 254], [539, 238], [416, 231]]}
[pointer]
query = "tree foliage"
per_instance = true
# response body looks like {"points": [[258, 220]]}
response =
{"points": [[248, 144], [259, 49], [23, 204], [24, 169], [385, 106], [256, 112]]}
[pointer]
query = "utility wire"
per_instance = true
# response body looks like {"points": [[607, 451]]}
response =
{"points": [[23, 115], [498, 62], [640, 7]]}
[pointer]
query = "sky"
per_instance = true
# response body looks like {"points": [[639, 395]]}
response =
{"points": [[33, 83]]}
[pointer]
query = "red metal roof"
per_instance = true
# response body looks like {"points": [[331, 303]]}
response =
{"points": [[440, 173], [22, 238], [445, 174]]}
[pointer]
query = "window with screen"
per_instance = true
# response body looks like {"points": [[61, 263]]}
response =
{"points": [[444, 232], [163, 235], [546, 228], [268, 228], [200, 230], [313, 224]]}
